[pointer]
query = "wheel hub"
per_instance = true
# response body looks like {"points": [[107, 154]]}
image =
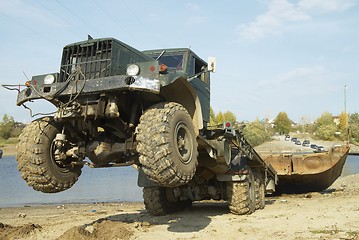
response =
{"points": [[184, 143]]}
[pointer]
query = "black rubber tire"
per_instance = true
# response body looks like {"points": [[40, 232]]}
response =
{"points": [[35, 160], [260, 190], [157, 203], [241, 196], [167, 144]]}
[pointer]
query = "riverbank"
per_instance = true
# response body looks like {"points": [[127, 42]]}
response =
{"points": [[332, 214], [9, 149], [278, 144]]}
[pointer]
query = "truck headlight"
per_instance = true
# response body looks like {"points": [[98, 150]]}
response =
{"points": [[133, 70], [49, 79]]}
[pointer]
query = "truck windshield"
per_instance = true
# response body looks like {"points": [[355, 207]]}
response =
{"points": [[175, 61]]}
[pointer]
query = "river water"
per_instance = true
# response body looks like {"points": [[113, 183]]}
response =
{"points": [[94, 185]]}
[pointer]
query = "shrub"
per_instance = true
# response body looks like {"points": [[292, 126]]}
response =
{"points": [[256, 133], [326, 132]]}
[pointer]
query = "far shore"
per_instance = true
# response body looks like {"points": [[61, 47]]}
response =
{"points": [[8, 149], [274, 145], [278, 144]]}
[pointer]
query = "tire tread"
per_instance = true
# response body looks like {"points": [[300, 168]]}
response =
{"points": [[31, 157], [153, 139]]}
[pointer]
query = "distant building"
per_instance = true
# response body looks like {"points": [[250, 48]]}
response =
{"points": [[271, 122], [336, 120]]}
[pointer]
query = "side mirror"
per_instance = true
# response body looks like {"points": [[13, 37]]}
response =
{"points": [[212, 64]]}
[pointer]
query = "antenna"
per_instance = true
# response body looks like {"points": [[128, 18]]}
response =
{"points": [[23, 72], [346, 115], [345, 99]]}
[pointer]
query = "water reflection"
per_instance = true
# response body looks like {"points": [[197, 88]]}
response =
{"points": [[351, 165]]}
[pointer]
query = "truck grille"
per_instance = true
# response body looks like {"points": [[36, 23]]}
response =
{"points": [[92, 58]]}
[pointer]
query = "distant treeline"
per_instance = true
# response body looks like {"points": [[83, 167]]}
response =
{"points": [[9, 128], [326, 127]]}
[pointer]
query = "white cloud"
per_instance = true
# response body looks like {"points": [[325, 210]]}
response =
{"points": [[281, 13]]}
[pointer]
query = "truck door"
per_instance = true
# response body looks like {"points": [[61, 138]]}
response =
{"points": [[201, 84]]}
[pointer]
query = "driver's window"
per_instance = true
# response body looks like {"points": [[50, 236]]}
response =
{"points": [[199, 66]]}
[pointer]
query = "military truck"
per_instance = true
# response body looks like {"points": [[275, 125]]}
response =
{"points": [[117, 106]]}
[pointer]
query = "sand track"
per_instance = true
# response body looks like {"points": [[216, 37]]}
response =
{"points": [[332, 214]]}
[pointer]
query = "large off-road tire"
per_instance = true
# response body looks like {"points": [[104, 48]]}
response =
{"points": [[158, 201], [241, 196], [167, 144], [259, 189], [35, 158]]}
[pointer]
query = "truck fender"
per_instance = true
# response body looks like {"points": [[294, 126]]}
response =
{"points": [[180, 91]]}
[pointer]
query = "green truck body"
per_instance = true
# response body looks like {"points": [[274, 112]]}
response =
{"points": [[117, 106]]}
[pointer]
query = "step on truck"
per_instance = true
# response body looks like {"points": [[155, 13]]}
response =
{"points": [[117, 106]]}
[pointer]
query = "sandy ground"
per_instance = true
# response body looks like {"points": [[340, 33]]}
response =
{"points": [[332, 214]]}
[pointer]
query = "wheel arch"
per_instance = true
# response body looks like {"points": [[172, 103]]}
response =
{"points": [[180, 91]]}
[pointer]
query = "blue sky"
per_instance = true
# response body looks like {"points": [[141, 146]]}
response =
{"points": [[272, 55]]}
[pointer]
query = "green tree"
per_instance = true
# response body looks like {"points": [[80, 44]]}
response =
{"points": [[325, 127], [306, 126], [325, 119], [326, 132], [343, 125], [6, 126], [18, 127], [354, 126], [309, 128], [282, 124], [219, 118], [212, 117], [256, 133], [229, 117]]}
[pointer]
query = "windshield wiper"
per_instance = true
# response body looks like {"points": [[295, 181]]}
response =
{"points": [[159, 56]]}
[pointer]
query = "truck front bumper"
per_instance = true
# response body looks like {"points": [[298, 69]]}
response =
{"points": [[39, 90]]}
